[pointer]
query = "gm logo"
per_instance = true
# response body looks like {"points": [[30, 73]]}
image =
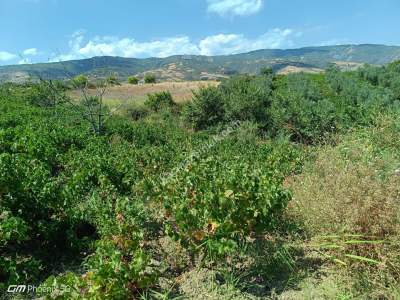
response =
{"points": [[16, 289]]}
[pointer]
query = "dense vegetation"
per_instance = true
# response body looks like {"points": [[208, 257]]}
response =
{"points": [[264, 186]]}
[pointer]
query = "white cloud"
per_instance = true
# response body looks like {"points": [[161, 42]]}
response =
{"points": [[131, 48], [234, 7], [219, 44], [222, 44], [7, 56], [30, 52]]}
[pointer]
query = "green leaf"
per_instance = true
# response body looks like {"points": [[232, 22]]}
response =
{"points": [[361, 258], [363, 242]]}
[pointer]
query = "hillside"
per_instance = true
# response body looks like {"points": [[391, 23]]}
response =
{"points": [[191, 67]]}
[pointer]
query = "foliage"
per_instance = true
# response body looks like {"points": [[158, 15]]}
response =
{"points": [[247, 98], [227, 195], [113, 79], [84, 210], [206, 109], [149, 78], [243, 98], [80, 81], [303, 110], [133, 80], [158, 101], [266, 71], [45, 93], [119, 267]]}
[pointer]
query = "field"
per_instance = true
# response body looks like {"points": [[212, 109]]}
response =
{"points": [[267, 186], [180, 91]]}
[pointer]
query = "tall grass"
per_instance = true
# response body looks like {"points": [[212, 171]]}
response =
{"points": [[348, 200]]}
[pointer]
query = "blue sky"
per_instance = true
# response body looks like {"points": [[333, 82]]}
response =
{"points": [[52, 30]]}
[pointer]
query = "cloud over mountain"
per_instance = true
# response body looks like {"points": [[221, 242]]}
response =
{"points": [[219, 44]]}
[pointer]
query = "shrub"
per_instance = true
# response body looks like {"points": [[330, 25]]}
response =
{"points": [[206, 109], [137, 112], [149, 78], [303, 120], [113, 80], [214, 201], [45, 93], [266, 71], [247, 98], [160, 100], [133, 80], [119, 268], [80, 81], [31, 162], [242, 98]]}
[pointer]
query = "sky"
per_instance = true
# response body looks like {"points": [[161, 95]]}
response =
{"points": [[33, 31]]}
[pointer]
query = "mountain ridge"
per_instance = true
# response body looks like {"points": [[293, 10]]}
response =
{"points": [[200, 67]]}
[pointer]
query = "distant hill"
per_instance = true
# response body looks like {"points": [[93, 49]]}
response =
{"points": [[194, 67]]}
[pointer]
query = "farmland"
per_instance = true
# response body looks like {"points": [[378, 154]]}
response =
{"points": [[267, 186], [180, 91]]}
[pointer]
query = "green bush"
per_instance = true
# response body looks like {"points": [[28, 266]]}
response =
{"points": [[247, 98], [113, 80], [242, 98], [133, 80], [45, 94], [159, 101], [119, 268], [266, 71], [303, 110], [206, 109], [214, 201], [80, 81], [137, 112], [149, 78]]}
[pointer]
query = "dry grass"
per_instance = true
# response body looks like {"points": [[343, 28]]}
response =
{"points": [[294, 69], [181, 91], [348, 200], [343, 196], [354, 187]]}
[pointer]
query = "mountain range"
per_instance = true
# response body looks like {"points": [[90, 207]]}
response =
{"points": [[196, 67]]}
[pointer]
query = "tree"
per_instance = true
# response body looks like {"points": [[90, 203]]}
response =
{"points": [[133, 80], [113, 79], [266, 71], [150, 78], [92, 107]]}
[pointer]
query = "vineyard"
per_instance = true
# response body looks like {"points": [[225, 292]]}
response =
{"points": [[267, 186]]}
